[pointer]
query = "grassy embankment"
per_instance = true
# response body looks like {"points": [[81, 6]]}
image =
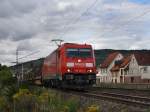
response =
{"points": [[25, 99]]}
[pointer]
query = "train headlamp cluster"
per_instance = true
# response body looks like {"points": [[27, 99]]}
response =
{"points": [[70, 64], [89, 64]]}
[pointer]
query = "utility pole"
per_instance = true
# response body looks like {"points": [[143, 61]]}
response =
{"points": [[17, 56], [22, 72], [17, 63], [17, 71]]}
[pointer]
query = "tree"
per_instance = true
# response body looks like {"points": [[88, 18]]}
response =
{"points": [[5, 74]]}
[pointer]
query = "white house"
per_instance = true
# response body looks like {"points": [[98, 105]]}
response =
{"points": [[120, 70], [104, 73], [140, 68], [134, 68]]}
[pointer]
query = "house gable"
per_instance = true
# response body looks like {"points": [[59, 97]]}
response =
{"points": [[121, 64], [110, 59], [133, 66]]}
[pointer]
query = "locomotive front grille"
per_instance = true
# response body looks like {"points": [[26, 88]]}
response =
{"points": [[80, 76]]}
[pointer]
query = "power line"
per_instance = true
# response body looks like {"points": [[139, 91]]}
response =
{"points": [[82, 14], [130, 20], [29, 54]]}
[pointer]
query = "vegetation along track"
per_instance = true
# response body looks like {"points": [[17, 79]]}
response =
{"points": [[115, 97]]}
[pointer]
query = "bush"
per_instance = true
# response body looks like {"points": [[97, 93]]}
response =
{"points": [[49, 101], [5, 76], [2, 104], [52, 102], [24, 101], [5, 73], [93, 108], [72, 105]]}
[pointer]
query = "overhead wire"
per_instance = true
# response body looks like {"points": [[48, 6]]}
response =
{"points": [[85, 12], [127, 22], [77, 19], [29, 54]]}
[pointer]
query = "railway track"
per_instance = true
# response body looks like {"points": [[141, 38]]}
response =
{"points": [[115, 97], [138, 101]]}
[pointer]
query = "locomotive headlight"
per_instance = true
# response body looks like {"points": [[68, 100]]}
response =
{"points": [[89, 64], [69, 64], [89, 71], [68, 70]]}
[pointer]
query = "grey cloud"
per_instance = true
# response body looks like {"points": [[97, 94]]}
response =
{"points": [[12, 8], [20, 20], [25, 45], [32, 23]]}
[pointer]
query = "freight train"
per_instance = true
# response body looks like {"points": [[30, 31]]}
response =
{"points": [[69, 66]]}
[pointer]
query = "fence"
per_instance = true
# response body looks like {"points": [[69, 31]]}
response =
{"points": [[123, 86]]}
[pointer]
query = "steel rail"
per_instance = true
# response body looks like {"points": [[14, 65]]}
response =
{"points": [[139, 98], [119, 99]]}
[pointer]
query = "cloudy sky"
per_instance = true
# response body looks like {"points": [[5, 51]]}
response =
{"points": [[30, 25]]}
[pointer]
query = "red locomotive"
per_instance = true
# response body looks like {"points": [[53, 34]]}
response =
{"points": [[71, 65]]}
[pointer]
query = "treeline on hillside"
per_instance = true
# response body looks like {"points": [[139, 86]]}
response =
{"points": [[101, 54]]}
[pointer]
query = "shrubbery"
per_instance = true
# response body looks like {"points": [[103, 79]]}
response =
{"points": [[24, 101], [2, 104], [5, 74], [14, 98], [47, 101], [93, 108]]}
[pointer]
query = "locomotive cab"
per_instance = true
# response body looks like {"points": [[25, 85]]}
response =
{"points": [[71, 65], [79, 65]]}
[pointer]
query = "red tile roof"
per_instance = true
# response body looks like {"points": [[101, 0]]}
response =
{"points": [[125, 61], [115, 68], [143, 59], [109, 60]]}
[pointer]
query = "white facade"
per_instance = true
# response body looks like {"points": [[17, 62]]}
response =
{"points": [[104, 74], [134, 67], [137, 70], [145, 71], [132, 70]]}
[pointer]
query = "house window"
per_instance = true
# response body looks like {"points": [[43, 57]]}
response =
{"points": [[125, 73], [132, 79], [121, 71], [132, 71], [102, 70], [133, 61], [116, 74], [145, 70]]}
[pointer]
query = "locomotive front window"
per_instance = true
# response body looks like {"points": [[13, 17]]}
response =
{"points": [[85, 52], [81, 52], [71, 52]]}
